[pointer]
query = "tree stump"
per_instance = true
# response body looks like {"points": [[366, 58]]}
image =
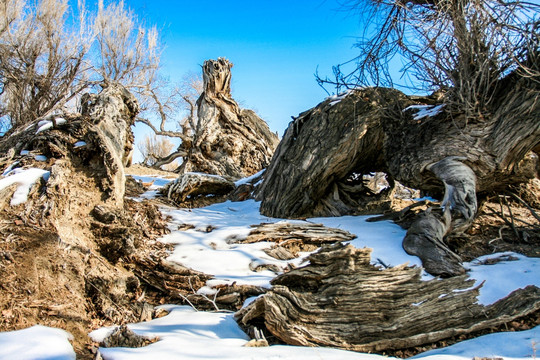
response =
{"points": [[227, 141]]}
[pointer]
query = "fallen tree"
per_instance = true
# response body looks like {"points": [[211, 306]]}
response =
{"points": [[341, 300], [319, 166]]}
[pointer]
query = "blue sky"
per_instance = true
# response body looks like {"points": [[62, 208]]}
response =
{"points": [[276, 47]]}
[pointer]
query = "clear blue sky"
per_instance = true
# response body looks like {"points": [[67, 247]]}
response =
{"points": [[276, 47]]}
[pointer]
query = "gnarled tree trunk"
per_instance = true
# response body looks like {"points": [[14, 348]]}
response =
{"points": [[318, 167], [228, 141]]}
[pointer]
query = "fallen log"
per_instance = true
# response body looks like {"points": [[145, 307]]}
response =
{"points": [[292, 237], [320, 166], [341, 300], [191, 186]]}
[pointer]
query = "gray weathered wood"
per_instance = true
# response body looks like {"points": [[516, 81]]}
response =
{"points": [[318, 166], [341, 300], [228, 140]]}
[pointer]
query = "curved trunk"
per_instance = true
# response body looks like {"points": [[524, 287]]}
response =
{"points": [[328, 148]]}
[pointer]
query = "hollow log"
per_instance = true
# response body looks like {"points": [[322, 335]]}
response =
{"points": [[341, 300], [228, 140]]}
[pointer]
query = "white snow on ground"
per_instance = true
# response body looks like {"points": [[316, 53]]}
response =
{"points": [[506, 345], [36, 343], [157, 183], [188, 334], [505, 276], [24, 180]]}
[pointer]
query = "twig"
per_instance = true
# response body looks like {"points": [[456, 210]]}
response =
{"points": [[522, 202], [511, 217]]}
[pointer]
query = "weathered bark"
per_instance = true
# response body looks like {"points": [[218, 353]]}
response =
{"points": [[341, 300], [331, 146], [192, 185], [228, 141], [313, 170], [292, 238]]}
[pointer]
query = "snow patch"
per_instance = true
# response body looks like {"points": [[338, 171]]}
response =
{"points": [[36, 342], [249, 179], [503, 277], [335, 99], [425, 110], [24, 179], [44, 125]]}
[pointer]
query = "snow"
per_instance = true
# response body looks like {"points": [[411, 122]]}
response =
{"points": [[249, 179], [24, 180], [188, 334], [153, 190], [79, 144], [335, 99], [36, 343], [503, 277], [425, 110], [44, 125], [507, 345]]}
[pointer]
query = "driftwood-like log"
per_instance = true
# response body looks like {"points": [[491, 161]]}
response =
{"points": [[192, 185], [343, 301], [228, 141], [291, 238], [307, 233], [176, 282], [425, 237]]}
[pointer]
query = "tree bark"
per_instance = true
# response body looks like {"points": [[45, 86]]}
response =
{"points": [[228, 141]]}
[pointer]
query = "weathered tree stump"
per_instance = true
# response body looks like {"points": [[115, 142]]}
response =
{"points": [[341, 300], [227, 141]]}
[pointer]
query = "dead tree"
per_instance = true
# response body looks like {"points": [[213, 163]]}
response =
{"points": [[227, 140], [324, 152]]}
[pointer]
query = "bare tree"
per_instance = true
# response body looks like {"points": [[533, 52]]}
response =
{"points": [[462, 46], [39, 68], [50, 54], [153, 148]]}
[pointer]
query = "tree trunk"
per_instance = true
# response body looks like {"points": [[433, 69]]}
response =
{"points": [[228, 141], [318, 167]]}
